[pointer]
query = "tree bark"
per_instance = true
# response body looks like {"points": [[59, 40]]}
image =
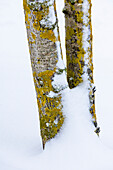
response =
{"points": [[89, 65], [79, 58], [46, 61], [74, 45]]}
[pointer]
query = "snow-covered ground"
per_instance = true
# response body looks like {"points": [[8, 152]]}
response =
{"points": [[76, 147]]}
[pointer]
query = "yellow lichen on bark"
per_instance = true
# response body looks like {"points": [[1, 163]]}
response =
{"points": [[50, 108], [49, 34]]}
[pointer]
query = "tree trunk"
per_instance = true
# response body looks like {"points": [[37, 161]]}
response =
{"points": [[79, 58], [92, 88], [89, 64], [74, 45], [46, 61]]}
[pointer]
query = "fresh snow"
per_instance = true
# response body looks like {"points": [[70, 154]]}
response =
{"points": [[77, 147]]}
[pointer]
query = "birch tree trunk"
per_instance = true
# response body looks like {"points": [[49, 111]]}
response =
{"points": [[46, 61]]}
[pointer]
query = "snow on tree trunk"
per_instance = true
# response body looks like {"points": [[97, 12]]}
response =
{"points": [[89, 60], [79, 58], [46, 61], [74, 45]]}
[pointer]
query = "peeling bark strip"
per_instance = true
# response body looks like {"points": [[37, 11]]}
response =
{"points": [[74, 45], [45, 53], [89, 66]]}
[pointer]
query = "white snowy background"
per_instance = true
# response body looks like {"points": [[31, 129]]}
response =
{"points": [[77, 147]]}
